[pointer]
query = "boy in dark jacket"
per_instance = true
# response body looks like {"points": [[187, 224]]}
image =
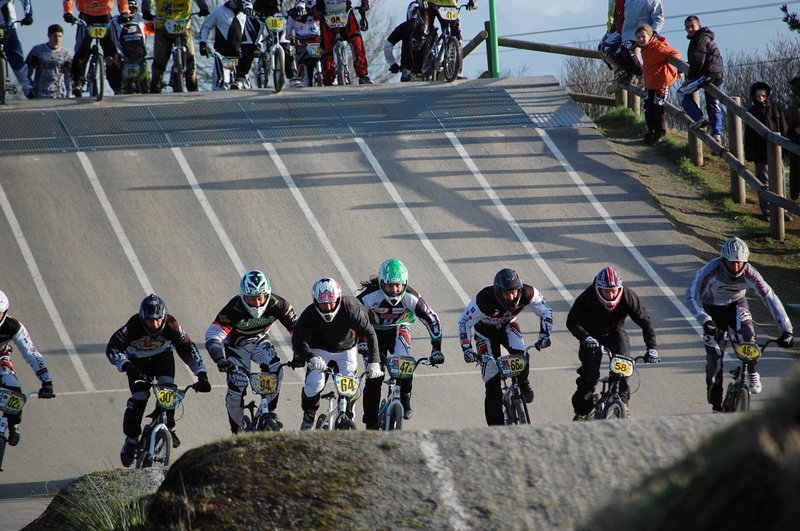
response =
{"points": [[793, 134], [771, 115], [705, 66]]}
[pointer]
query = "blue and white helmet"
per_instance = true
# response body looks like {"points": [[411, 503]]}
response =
{"points": [[253, 284]]}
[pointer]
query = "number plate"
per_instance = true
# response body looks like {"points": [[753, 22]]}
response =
{"points": [[229, 63], [11, 401], [276, 23], [449, 13], [168, 397], [621, 365], [97, 32], [401, 367], [336, 20], [748, 351], [176, 26], [511, 366], [346, 385], [264, 383], [313, 50]]}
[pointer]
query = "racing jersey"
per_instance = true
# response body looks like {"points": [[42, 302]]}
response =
{"points": [[444, 3], [96, 7], [134, 341], [8, 14], [171, 9], [384, 316], [588, 317], [12, 330], [712, 286], [329, 7], [228, 26], [484, 311], [234, 325], [303, 31], [350, 323]]}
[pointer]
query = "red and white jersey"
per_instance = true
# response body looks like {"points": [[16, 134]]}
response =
{"points": [[303, 30]]}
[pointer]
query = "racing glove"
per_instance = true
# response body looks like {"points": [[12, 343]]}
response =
{"points": [[470, 356], [123, 18], [47, 390], [225, 364], [710, 329], [69, 18], [203, 49], [374, 371], [436, 357], [202, 385], [651, 356], [590, 342], [472, 4], [203, 12], [27, 21], [544, 342], [395, 68], [296, 363], [131, 370], [786, 340], [317, 364]]}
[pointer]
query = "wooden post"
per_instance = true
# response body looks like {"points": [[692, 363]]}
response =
{"points": [[622, 98], [488, 29], [634, 102], [736, 147], [695, 144], [775, 163]]}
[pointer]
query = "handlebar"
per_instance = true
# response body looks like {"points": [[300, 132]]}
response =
{"points": [[152, 383]]}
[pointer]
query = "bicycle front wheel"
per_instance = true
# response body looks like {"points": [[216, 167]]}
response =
{"points": [[278, 73], [344, 423], [178, 67], [616, 410], [394, 417], [322, 422], [741, 400], [162, 449], [342, 69], [3, 80], [261, 71], [451, 61], [97, 68], [521, 409]]}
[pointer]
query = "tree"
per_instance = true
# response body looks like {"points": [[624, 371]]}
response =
{"points": [[791, 19]]}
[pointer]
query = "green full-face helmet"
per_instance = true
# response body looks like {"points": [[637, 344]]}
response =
{"points": [[393, 271]]}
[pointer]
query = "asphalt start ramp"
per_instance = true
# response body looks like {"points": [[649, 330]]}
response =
{"points": [[254, 116]]}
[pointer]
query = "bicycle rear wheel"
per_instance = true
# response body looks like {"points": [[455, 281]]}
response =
{"points": [[342, 68], [178, 69], [322, 422], [521, 411], [452, 59], [394, 417], [3, 80], [2, 450], [278, 73]]}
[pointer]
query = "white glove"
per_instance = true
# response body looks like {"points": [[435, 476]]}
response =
{"points": [[317, 364], [374, 370], [591, 342]]}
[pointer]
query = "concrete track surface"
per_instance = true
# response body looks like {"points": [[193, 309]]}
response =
{"points": [[458, 181]]}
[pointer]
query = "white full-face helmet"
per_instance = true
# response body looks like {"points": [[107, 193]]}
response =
{"points": [[253, 284], [326, 290]]}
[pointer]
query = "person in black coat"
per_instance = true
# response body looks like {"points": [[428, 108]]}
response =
{"points": [[771, 115], [793, 134]]}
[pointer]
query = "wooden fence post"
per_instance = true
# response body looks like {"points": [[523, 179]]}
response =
{"points": [[487, 27], [695, 144], [775, 163], [634, 102], [736, 147], [621, 97]]}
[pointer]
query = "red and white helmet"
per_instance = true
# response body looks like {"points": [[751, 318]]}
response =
{"points": [[606, 279], [327, 290]]}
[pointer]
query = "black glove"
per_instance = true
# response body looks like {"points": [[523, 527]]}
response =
{"points": [[202, 385], [296, 363], [472, 4], [132, 371], [436, 357], [710, 328], [27, 21], [69, 18], [225, 364], [203, 12], [203, 49], [786, 340], [47, 390], [395, 68], [123, 18], [147, 15], [249, 12], [133, 7]]}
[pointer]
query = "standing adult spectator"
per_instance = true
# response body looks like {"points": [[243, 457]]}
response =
{"points": [[94, 12], [162, 48], [636, 13], [11, 44], [771, 115], [657, 76], [49, 64], [705, 67]]}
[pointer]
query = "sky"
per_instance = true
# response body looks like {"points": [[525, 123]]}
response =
{"points": [[738, 24]]}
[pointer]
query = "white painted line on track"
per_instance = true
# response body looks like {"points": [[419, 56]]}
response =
{"points": [[275, 333], [117, 226], [312, 220], [520, 234], [437, 465], [38, 281], [618, 231], [437, 258]]}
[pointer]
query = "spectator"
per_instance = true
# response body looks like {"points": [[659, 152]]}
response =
{"points": [[49, 65], [793, 134], [705, 66], [611, 41], [636, 13], [657, 76], [771, 115]]}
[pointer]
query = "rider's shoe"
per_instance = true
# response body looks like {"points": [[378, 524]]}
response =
{"points": [[754, 382], [717, 408], [175, 441], [408, 409], [526, 390], [128, 452], [77, 91], [365, 80], [579, 418], [274, 417], [297, 83], [13, 435], [238, 84], [308, 421]]}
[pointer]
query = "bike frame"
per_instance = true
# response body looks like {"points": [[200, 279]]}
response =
{"points": [[156, 431], [226, 70], [435, 64], [341, 48], [267, 385], [177, 73], [515, 410], [391, 412], [95, 82], [737, 395], [339, 404], [608, 401]]}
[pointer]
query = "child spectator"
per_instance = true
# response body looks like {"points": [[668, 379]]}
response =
{"points": [[705, 66], [636, 13], [657, 76], [49, 64], [771, 115], [793, 134]]}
